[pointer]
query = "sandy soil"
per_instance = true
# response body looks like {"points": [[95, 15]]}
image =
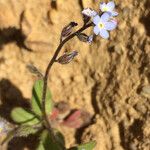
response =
{"points": [[109, 78]]}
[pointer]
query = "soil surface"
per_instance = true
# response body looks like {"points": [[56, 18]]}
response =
{"points": [[109, 78]]}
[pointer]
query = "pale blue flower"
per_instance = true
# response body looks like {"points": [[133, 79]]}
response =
{"points": [[89, 12], [103, 24], [109, 7]]}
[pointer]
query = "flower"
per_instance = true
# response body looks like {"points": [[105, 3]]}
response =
{"points": [[89, 12], [103, 24], [109, 7]]}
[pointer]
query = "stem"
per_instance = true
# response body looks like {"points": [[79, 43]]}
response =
{"points": [[48, 125]]}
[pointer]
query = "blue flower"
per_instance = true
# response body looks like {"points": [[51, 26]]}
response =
{"points": [[89, 12], [104, 24], [109, 7]]}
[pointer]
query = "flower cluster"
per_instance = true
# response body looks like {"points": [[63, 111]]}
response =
{"points": [[105, 22]]}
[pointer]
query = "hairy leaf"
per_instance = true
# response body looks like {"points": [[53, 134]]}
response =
{"points": [[40, 146], [46, 142], [37, 98], [22, 116], [60, 138], [25, 130], [21, 131]]}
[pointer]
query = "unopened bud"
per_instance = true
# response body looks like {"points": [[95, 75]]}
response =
{"points": [[82, 37], [67, 57], [85, 38], [68, 29], [34, 70]]}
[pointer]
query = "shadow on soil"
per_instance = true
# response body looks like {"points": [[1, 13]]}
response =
{"points": [[134, 132], [12, 34], [11, 97], [145, 19]]}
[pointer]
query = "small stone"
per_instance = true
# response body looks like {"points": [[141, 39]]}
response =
{"points": [[146, 91], [141, 108]]}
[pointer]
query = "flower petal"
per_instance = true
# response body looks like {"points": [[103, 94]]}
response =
{"points": [[114, 13], [111, 25], [89, 12], [111, 5], [102, 6], [96, 30], [104, 34], [96, 19], [94, 13], [105, 16]]}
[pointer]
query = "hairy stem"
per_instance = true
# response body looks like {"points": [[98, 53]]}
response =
{"points": [[48, 124]]}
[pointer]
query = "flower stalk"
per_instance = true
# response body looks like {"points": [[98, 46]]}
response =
{"points": [[53, 59], [102, 24]]}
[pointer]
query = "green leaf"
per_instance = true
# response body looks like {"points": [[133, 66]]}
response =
{"points": [[37, 98], [22, 116], [40, 146], [60, 138], [21, 131], [25, 130], [46, 142], [87, 146]]}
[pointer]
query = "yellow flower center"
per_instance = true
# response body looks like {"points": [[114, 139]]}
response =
{"points": [[105, 9], [101, 25]]}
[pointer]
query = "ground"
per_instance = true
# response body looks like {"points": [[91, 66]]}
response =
{"points": [[109, 78]]}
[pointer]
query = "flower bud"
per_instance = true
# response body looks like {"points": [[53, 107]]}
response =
{"points": [[82, 37], [85, 38], [68, 29], [34, 70], [67, 57]]}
